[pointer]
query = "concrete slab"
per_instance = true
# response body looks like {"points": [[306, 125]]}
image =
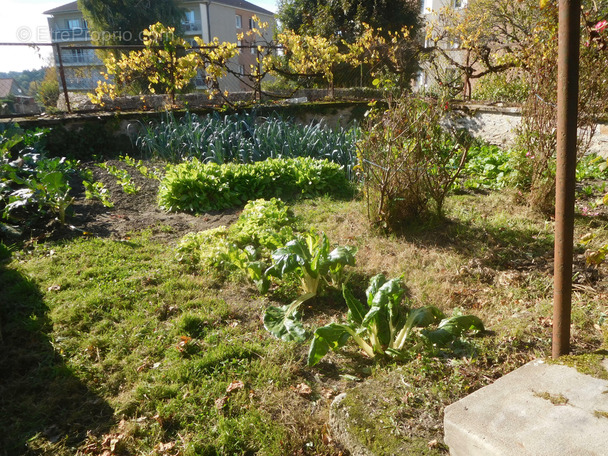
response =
{"points": [[538, 410]]}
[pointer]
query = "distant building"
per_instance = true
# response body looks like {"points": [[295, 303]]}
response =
{"points": [[223, 19], [430, 10], [13, 99]]}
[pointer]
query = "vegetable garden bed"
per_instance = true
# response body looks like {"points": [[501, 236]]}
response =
{"points": [[122, 335]]}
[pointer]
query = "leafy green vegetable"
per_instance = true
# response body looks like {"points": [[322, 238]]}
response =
{"points": [[284, 322], [31, 185], [310, 259], [243, 138], [385, 323], [124, 179], [201, 187]]}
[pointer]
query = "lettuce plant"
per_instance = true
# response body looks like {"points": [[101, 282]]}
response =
{"points": [[385, 323]]}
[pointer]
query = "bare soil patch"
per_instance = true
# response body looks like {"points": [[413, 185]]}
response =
{"points": [[135, 212]]}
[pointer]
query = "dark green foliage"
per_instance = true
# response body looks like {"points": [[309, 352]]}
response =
{"points": [[122, 21], [31, 185], [488, 167], [91, 140], [197, 187], [341, 20], [386, 322], [309, 259]]}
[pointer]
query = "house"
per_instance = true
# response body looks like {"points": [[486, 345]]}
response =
{"points": [[223, 19], [14, 100], [430, 10]]}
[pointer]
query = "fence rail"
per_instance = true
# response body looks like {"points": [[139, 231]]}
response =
{"points": [[79, 68]]}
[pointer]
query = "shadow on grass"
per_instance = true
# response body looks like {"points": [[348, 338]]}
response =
{"points": [[42, 404], [497, 247]]}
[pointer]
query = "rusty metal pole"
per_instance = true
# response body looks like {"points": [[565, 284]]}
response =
{"points": [[62, 76], [567, 113]]}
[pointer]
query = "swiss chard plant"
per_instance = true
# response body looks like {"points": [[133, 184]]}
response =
{"points": [[34, 184], [385, 323], [312, 261]]}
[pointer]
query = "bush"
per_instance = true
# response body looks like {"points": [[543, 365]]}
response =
{"points": [[501, 87], [409, 162], [198, 187]]}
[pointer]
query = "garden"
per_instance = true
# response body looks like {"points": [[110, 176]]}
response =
{"points": [[214, 292]]}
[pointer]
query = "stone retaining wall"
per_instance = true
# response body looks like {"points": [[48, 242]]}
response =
{"points": [[498, 125], [495, 124]]}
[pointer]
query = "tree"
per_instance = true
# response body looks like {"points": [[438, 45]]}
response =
{"points": [[343, 20], [495, 35], [123, 21], [167, 64], [46, 92]]}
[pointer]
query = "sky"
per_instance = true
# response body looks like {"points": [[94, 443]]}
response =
{"points": [[23, 21]]}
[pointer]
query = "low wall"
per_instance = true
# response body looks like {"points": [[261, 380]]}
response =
{"points": [[498, 125], [97, 132]]}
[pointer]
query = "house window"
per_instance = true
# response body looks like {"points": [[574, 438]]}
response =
{"points": [[189, 22], [74, 24], [252, 24], [239, 43], [427, 6], [253, 48], [460, 3], [242, 70], [239, 21]]}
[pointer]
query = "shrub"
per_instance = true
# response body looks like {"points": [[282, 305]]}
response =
{"points": [[198, 187], [409, 162], [501, 87]]}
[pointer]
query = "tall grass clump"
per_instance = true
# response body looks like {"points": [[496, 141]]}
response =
{"points": [[244, 138]]}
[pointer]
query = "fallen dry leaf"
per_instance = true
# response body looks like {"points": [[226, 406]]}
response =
{"points": [[234, 386], [302, 389], [164, 447], [221, 402], [183, 343], [54, 288]]}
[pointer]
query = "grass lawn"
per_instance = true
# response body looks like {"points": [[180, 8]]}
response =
{"points": [[110, 346]]}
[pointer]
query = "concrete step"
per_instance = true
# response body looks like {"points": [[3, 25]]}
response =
{"points": [[539, 409]]}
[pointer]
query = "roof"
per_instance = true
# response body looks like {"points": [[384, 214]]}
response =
{"points": [[67, 8], [9, 87], [244, 5], [239, 4]]}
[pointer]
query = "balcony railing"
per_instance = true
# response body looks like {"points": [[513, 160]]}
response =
{"points": [[71, 35], [192, 26], [81, 83], [79, 59]]}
